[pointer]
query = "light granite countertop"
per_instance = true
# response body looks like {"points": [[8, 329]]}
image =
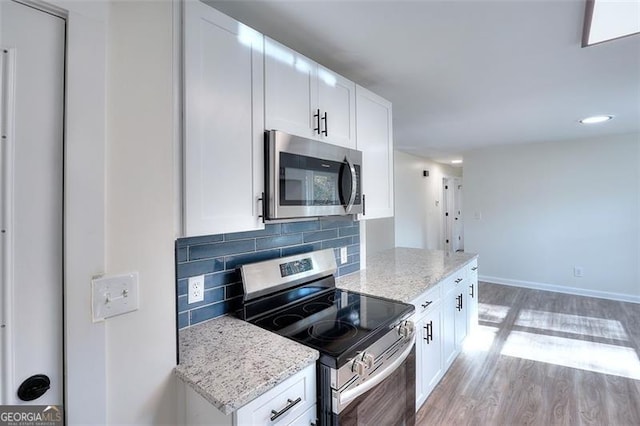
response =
{"points": [[404, 273], [231, 362]]}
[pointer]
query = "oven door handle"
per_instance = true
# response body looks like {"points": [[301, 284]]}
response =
{"points": [[348, 396]]}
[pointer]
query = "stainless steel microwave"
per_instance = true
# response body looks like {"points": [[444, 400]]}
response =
{"points": [[307, 178]]}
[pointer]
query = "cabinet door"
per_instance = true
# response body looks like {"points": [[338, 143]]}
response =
{"points": [[429, 366], [337, 99], [448, 327], [291, 91], [374, 136], [421, 334], [223, 124], [432, 350], [461, 310], [472, 312]]}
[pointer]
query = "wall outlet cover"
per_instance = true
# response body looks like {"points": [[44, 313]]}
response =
{"points": [[343, 255], [196, 289]]}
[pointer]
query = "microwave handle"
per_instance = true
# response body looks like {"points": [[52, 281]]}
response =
{"points": [[354, 185]]}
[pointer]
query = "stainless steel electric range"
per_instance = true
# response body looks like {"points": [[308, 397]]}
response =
{"points": [[366, 369]]}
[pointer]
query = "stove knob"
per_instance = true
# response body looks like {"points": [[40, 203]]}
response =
{"points": [[358, 367], [406, 329], [368, 360]]}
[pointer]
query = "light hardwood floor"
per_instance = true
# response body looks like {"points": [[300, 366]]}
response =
{"points": [[542, 358]]}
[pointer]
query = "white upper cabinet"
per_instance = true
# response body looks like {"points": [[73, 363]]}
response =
{"points": [[223, 122], [337, 104], [306, 99], [374, 133]]}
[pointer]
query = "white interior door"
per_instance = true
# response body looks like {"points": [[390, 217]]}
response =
{"points": [[452, 211], [31, 166], [458, 229]]}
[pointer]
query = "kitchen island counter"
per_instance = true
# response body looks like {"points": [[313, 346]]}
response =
{"points": [[230, 362], [404, 273]]}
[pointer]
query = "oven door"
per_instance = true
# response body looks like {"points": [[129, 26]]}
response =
{"points": [[307, 178], [388, 399]]}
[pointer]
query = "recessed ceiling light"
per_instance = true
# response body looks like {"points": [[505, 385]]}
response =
{"points": [[596, 119], [456, 161]]}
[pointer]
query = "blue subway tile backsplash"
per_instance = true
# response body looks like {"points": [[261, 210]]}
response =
{"points": [[218, 257]]}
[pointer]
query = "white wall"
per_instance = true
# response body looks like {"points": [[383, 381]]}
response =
{"points": [[547, 207], [380, 235], [141, 346], [418, 220]]}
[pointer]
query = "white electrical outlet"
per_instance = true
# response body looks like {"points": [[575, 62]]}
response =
{"points": [[578, 271], [196, 289], [343, 255]]}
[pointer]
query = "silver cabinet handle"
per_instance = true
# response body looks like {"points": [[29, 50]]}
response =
{"points": [[475, 268], [458, 280], [290, 404], [427, 303]]}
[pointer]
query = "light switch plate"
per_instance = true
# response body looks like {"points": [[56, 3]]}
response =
{"points": [[114, 295]]}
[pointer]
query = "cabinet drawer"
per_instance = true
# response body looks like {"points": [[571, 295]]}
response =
{"points": [[284, 403], [426, 300], [453, 280], [472, 269], [307, 418]]}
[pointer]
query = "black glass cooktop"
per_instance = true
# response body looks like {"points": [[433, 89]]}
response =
{"points": [[336, 322]]}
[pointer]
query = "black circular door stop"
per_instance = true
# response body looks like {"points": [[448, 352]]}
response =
{"points": [[34, 387]]}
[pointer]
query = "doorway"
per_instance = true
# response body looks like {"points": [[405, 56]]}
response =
{"points": [[32, 67], [453, 238]]}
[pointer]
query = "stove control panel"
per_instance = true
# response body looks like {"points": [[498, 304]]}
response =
{"points": [[295, 267]]}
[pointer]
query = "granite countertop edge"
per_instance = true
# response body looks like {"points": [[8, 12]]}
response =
{"points": [[216, 362], [404, 273]]}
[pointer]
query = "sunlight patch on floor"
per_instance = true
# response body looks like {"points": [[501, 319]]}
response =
{"points": [[480, 339], [597, 357], [492, 313], [587, 326]]}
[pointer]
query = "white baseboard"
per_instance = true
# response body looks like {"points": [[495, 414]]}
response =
{"points": [[561, 289]]}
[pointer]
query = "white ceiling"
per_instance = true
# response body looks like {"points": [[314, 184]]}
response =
{"points": [[465, 74]]}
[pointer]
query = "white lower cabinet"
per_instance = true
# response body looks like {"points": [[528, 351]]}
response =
{"points": [[472, 274], [292, 402], [461, 308], [448, 324], [443, 318], [429, 366]]}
